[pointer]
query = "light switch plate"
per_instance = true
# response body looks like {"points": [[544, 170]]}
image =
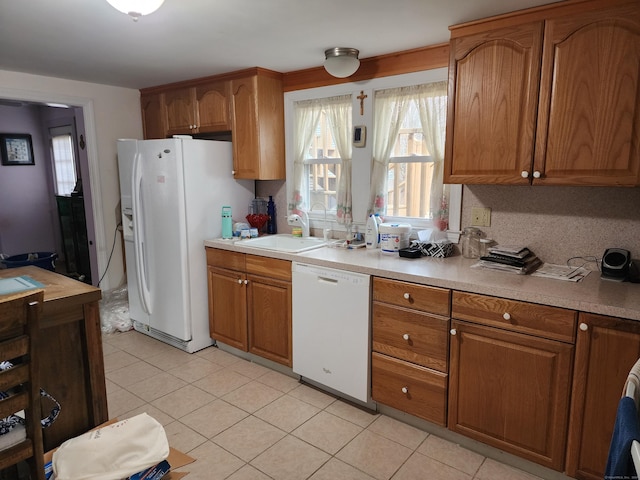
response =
{"points": [[481, 216]]}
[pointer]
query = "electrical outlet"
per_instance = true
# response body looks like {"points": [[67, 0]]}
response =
{"points": [[481, 217]]}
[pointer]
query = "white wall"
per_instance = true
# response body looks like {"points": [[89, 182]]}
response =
{"points": [[110, 113]]}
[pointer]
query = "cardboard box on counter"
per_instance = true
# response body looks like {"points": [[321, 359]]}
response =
{"points": [[176, 458]]}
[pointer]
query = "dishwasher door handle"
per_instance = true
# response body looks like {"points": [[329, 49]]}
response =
{"points": [[327, 280]]}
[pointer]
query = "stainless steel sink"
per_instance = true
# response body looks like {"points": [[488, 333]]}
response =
{"points": [[284, 242]]}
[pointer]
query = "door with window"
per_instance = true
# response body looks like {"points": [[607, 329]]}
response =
{"points": [[70, 203]]}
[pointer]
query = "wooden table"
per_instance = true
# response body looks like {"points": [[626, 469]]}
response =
{"points": [[70, 353]]}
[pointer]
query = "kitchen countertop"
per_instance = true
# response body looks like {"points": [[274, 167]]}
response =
{"points": [[592, 294]]}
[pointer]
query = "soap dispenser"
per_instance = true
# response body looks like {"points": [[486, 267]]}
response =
{"points": [[271, 211]]}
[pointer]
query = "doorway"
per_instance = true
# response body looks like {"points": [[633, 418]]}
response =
{"points": [[86, 165]]}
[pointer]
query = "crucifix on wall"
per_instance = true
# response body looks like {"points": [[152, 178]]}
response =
{"points": [[361, 97]]}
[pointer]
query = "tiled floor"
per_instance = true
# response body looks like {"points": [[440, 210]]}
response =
{"points": [[243, 421]]}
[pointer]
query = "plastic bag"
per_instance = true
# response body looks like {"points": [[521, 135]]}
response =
{"points": [[112, 452], [114, 310]]}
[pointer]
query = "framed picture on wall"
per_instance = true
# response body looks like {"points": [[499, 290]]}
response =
{"points": [[16, 149]]}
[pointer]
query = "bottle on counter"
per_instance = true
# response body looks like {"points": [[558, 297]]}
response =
{"points": [[271, 211], [372, 235], [227, 222]]}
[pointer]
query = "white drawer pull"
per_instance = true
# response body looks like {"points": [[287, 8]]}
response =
{"points": [[406, 336], [405, 390], [453, 331], [246, 282], [524, 174], [406, 296], [536, 174], [239, 281], [506, 316], [584, 327]]}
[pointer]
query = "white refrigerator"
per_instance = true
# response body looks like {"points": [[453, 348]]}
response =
{"points": [[172, 193]]}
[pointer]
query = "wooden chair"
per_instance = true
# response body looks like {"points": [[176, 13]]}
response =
{"points": [[19, 327]]}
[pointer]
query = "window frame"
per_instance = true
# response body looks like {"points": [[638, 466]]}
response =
{"points": [[361, 157]]}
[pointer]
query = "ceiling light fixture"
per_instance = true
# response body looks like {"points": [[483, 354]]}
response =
{"points": [[136, 8], [341, 62]]}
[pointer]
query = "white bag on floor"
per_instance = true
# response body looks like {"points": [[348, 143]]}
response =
{"points": [[113, 452]]}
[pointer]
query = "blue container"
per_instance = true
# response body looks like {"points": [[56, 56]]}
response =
{"points": [[46, 260]]}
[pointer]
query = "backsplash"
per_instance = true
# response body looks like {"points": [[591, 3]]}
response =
{"points": [[558, 223]]}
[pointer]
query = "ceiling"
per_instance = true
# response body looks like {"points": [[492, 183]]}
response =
{"points": [[91, 41]]}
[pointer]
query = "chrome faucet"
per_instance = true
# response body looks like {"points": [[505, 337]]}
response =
{"points": [[301, 221]]}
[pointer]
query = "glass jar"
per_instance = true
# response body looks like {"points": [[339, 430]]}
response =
{"points": [[485, 245], [470, 242]]}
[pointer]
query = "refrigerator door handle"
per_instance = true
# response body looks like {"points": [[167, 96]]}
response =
{"points": [[138, 235]]}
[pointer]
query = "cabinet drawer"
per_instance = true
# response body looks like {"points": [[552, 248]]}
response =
{"points": [[412, 336], [426, 390], [225, 259], [269, 267], [411, 295], [548, 322]]}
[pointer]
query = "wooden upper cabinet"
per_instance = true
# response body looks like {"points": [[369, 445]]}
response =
{"points": [[180, 111], [257, 106], [153, 115], [248, 103], [213, 112], [589, 114], [493, 94], [203, 108], [562, 79]]}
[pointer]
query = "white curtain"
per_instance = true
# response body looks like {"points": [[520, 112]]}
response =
{"points": [[306, 118], [390, 108], [338, 110], [432, 105]]}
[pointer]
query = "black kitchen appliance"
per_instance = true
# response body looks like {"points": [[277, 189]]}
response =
{"points": [[615, 264]]}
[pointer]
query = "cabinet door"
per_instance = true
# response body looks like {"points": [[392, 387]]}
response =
{"points": [[511, 391], [228, 307], [180, 109], [213, 107], [270, 319], [493, 93], [606, 349], [153, 116], [246, 137], [589, 116]]}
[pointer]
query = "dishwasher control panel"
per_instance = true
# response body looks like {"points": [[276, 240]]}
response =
{"points": [[331, 273]]}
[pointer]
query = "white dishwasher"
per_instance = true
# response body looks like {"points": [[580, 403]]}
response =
{"points": [[331, 328]]}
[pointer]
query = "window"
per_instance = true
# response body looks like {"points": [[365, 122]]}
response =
{"points": [[324, 162], [408, 151], [323, 156], [64, 164], [408, 170]]}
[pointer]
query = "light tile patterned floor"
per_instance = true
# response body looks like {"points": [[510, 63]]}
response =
{"points": [[243, 421]]}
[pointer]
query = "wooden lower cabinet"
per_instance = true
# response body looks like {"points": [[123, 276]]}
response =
{"points": [[409, 363], [228, 307], [250, 303], [510, 391], [606, 349], [410, 388], [269, 318]]}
